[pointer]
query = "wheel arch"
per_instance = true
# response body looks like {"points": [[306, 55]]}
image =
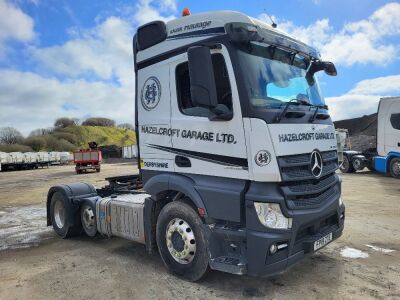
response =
{"points": [[169, 184], [391, 156], [74, 193]]}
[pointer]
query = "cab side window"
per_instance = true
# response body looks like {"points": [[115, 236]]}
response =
{"points": [[224, 93], [395, 121]]}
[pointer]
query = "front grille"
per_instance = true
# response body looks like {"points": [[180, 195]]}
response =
{"points": [[297, 167], [295, 159], [300, 187], [314, 200], [311, 185]]}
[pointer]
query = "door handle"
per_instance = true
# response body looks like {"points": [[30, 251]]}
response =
{"points": [[182, 161]]}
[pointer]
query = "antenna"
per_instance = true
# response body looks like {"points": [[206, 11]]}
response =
{"points": [[273, 24]]}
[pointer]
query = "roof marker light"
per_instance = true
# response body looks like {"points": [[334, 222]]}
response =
{"points": [[185, 12]]}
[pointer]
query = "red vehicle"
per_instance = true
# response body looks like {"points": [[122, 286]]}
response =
{"points": [[87, 159]]}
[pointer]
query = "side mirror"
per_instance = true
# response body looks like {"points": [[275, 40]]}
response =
{"points": [[202, 82], [330, 68], [315, 67]]}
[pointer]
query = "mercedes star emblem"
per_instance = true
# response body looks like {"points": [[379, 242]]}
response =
{"points": [[316, 164]]}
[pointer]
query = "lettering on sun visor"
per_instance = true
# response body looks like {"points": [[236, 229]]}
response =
{"points": [[310, 136], [188, 27]]}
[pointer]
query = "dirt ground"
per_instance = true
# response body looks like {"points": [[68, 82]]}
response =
{"points": [[364, 263]]}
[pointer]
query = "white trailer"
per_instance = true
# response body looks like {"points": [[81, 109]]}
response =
{"points": [[23, 161], [55, 158], [65, 158], [16, 157], [129, 151], [3, 158]]}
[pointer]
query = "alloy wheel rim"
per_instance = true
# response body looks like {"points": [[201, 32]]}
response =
{"points": [[181, 242], [59, 214], [88, 217]]}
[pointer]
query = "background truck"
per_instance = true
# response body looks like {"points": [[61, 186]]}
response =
{"points": [[386, 157], [236, 148], [88, 159]]}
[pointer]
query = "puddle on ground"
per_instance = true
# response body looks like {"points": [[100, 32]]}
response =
{"points": [[23, 227], [353, 253], [379, 249]]}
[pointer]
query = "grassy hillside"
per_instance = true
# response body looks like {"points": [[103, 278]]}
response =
{"points": [[72, 138], [100, 134]]}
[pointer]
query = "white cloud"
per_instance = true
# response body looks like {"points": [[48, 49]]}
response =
{"points": [[150, 10], [92, 71], [378, 86], [33, 101], [104, 51], [14, 25], [363, 99], [357, 42]]}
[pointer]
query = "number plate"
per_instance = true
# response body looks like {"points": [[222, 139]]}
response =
{"points": [[322, 241]]}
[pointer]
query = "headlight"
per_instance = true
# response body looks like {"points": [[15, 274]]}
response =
{"points": [[270, 215], [340, 201]]}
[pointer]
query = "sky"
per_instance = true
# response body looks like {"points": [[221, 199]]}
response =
{"points": [[74, 58]]}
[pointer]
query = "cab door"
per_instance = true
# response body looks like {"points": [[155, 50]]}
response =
{"points": [[200, 145], [392, 128], [154, 117]]}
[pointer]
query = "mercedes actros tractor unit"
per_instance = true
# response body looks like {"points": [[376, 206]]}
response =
{"points": [[237, 152]]}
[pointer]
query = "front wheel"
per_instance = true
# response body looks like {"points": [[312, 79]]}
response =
{"points": [[395, 167], [181, 241]]}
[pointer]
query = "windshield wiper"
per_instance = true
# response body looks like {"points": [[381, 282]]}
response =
{"points": [[287, 105], [300, 102]]}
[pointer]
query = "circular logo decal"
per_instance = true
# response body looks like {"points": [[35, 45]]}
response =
{"points": [[151, 93], [262, 158], [316, 164]]}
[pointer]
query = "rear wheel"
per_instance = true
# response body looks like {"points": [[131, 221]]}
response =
{"points": [[395, 167], [88, 218], [346, 166], [358, 164], [181, 241], [60, 216]]}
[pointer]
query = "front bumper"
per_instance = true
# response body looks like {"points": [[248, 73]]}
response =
{"points": [[300, 241]]}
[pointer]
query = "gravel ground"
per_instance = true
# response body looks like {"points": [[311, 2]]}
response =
{"points": [[363, 264]]}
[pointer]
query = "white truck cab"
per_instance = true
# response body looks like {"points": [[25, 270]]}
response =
{"points": [[237, 151], [385, 158], [388, 137]]}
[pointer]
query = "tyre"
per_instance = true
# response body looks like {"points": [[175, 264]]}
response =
{"points": [[346, 166], [59, 214], [181, 241], [88, 219], [98, 170], [358, 164], [394, 167]]}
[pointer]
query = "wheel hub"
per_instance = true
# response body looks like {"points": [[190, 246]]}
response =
{"points": [[88, 217], [181, 241], [59, 214], [396, 168]]}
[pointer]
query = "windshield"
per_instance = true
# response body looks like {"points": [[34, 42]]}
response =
{"points": [[273, 77]]}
